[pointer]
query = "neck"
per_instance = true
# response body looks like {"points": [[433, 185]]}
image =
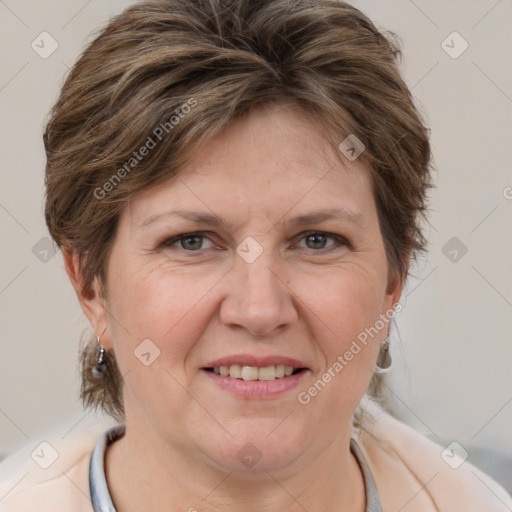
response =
{"points": [[143, 472]]}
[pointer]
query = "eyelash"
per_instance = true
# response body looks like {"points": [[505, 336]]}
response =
{"points": [[169, 242]]}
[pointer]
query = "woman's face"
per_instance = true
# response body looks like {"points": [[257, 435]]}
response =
{"points": [[252, 286]]}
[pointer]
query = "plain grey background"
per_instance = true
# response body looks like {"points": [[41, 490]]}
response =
{"points": [[452, 348]]}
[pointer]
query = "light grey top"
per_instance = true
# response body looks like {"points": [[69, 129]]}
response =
{"points": [[102, 502]]}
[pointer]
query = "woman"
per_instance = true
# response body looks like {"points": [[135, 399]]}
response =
{"points": [[237, 188]]}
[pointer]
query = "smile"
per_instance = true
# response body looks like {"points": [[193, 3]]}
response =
{"points": [[249, 373]]}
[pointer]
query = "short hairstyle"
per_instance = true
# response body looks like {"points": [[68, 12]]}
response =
{"points": [[168, 75]]}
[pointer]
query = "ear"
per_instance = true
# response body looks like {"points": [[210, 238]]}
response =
{"points": [[394, 289], [91, 301]]}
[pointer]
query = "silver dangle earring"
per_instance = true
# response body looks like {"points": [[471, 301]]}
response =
{"points": [[99, 369], [384, 361]]}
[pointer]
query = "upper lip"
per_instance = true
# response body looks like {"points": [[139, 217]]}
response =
{"points": [[252, 360]]}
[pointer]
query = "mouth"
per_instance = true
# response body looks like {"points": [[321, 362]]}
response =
{"points": [[256, 382], [256, 376], [255, 373]]}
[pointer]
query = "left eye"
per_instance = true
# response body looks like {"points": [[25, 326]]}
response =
{"points": [[318, 240]]}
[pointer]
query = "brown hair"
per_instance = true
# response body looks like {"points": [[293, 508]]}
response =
{"points": [[176, 72]]}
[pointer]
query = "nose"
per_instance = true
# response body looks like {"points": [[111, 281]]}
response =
{"points": [[257, 299]]}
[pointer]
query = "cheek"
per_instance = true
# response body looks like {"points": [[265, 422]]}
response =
{"points": [[342, 312], [168, 309], [159, 305], [344, 302], [342, 307]]}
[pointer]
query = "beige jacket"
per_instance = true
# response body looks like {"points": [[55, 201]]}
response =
{"points": [[409, 470]]}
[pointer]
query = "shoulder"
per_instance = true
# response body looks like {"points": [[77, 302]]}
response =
{"points": [[50, 473], [413, 473]]}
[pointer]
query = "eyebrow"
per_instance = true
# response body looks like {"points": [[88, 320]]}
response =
{"points": [[216, 221]]}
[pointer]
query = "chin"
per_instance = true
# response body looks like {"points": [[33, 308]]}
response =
{"points": [[258, 445]]}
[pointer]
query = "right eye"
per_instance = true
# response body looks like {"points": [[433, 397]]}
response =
{"points": [[190, 242]]}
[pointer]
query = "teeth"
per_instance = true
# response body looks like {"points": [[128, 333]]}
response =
{"points": [[267, 373], [248, 372], [236, 371]]}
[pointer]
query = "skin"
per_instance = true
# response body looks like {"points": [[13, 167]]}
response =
{"points": [[303, 298]]}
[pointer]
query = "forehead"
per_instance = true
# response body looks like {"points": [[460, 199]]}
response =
{"points": [[270, 162], [272, 141]]}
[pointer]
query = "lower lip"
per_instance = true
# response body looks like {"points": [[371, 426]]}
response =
{"points": [[257, 388]]}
